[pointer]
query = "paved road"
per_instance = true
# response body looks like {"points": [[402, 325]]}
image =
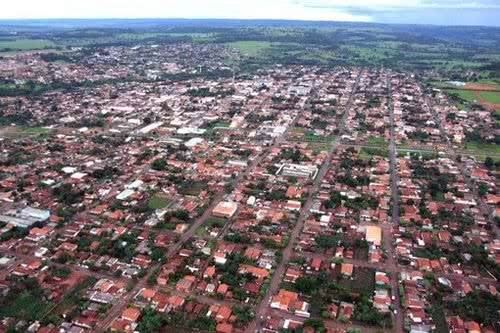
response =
{"points": [[387, 228], [256, 324]]}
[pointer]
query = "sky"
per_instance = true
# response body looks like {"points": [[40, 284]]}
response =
{"points": [[440, 12]]}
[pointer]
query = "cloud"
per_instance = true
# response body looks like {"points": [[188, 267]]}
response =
{"points": [[245, 9], [384, 11], [397, 5]]}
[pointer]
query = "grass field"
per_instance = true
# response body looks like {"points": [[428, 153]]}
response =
{"points": [[250, 48], [376, 140], [466, 95], [482, 148], [192, 188], [491, 96], [158, 202], [202, 230], [317, 147], [19, 132], [367, 153], [304, 135], [26, 44]]}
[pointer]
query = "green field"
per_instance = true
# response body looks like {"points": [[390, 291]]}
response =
{"points": [[466, 95], [310, 136], [19, 132], [376, 140], [367, 153], [202, 230], [491, 96], [482, 147], [26, 44], [158, 202], [250, 48]]}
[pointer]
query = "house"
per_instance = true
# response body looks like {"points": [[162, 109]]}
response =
{"points": [[259, 273], [346, 269], [316, 264], [373, 235], [291, 275], [131, 314], [284, 300], [186, 284], [472, 327], [289, 301], [293, 205], [225, 209], [209, 272], [223, 314], [346, 310]]}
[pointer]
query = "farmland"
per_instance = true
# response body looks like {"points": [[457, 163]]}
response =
{"points": [[25, 44]]}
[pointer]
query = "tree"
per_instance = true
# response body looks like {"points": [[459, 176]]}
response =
{"points": [[150, 321], [159, 164], [317, 324], [306, 284], [157, 254], [489, 162], [483, 189], [243, 314]]}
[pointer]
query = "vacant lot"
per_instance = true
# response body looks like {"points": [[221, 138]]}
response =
{"points": [[158, 202]]}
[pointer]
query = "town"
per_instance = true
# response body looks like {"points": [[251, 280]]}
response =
{"points": [[156, 188]]}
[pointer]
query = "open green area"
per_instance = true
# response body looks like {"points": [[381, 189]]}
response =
{"points": [[211, 222], [25, 301], [25, 44], [480, 147], [491, 96], [310, 137], [250, 48], [367, 153], [192, 187], [158, 202], [317, 147], [376, 140], [466, 95], [19, 132]]}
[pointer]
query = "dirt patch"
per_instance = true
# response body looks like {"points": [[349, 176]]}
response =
{"points": [[480, 87]]}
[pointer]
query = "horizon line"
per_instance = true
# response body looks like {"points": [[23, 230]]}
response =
{"points": [[241, 19]]}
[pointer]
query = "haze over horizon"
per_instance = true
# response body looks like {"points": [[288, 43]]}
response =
{"points": [[438, 12]]}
